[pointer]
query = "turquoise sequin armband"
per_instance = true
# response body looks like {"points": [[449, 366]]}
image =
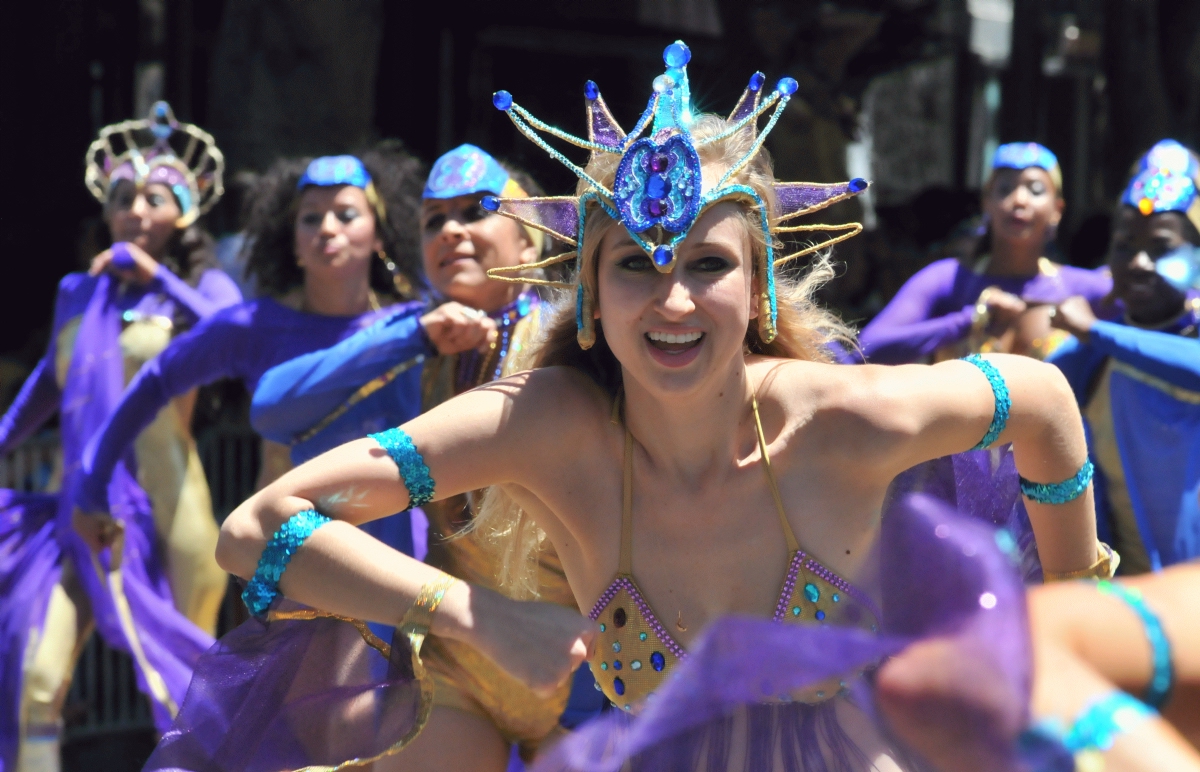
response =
{"points": [[1000, 392], [264, 585], [1163, 677], [1093, 732], [1059, 492], [400, 448]]}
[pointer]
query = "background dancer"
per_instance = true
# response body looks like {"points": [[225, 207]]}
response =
{"points": [[323, 235], [460, 242], [157, 591], [647, 387], [1137, 376], [1000, 302]]}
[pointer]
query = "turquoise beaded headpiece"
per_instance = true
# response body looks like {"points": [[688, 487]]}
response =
{"points": [[658, 191]]}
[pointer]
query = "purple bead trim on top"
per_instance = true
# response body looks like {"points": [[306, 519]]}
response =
{"points": [[626, 584], [789, 584], [840, 583]]}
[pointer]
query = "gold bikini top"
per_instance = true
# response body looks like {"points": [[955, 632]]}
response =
{"points": [[634, 651]]}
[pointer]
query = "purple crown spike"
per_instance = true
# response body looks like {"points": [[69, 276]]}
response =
{"points": [[750, 100], [797, 198], [602, 127], [558, 216]]}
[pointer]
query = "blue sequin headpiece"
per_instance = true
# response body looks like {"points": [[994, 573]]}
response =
{"points": [[464, 171], [1026, 155], [331, 170], [1022, 155], [658, 192], [1165, 181]]}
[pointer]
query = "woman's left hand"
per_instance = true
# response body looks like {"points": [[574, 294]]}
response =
{"points": [[1075, 316], [127, 261]]}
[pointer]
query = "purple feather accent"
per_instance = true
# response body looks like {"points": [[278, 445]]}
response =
{"points": [[559, 215], [803, 197]]}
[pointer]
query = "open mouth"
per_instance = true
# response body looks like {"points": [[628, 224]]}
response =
{"points": [[674, 343]]}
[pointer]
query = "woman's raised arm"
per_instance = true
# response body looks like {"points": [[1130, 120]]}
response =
{"points": [[955, 406]]}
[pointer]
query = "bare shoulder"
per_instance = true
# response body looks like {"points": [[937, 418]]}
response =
{"points": [[562, 396]]}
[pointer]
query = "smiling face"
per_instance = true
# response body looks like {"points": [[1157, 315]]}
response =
{"points": [[1023, 206], [145, 217], [676, 331], [461, 240], [335, 234], [1137, 244]]}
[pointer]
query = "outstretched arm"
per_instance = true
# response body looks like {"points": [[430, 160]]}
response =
{"points": [[37, 401], [205, 354], [929, 412], [906, 330]]}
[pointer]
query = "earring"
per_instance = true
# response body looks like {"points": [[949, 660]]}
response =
{"points": [[585, 325]]}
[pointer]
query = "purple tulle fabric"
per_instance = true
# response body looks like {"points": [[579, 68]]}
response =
{"points": [[261, 694], [36, 535], [290, 694]]}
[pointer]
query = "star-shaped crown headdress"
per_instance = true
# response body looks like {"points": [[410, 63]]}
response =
{"points": [[658, 192], [193, 167]]}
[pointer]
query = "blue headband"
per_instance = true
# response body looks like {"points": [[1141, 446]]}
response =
{"points": [[464, 171], [1022, 155], [330, 170], [1165, 180]]}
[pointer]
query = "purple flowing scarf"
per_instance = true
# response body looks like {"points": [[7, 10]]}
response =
{"points": [[130, 597]]}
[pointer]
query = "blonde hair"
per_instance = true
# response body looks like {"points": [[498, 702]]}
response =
{"points": [[805, 329]]}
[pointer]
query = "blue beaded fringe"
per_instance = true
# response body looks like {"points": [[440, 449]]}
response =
{"points": [[1003, 401], [1101, 722], [1060, 492], [264, 586], [412, 466], [1163, 677]]}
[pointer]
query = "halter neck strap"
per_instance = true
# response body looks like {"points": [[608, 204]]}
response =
{"points": [[625, 564]]}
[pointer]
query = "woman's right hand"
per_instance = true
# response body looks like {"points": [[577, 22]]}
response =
{"points": [[1004, 308], [539, 644], [453, 328]]}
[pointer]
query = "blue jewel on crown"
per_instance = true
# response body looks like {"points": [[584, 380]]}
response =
{"points": [[658, 184]]}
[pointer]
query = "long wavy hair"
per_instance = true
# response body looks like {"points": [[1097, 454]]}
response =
{"points": [[805, 330], [270, 216]]}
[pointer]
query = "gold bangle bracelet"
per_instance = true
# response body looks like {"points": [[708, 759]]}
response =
{"points": [[419, 618], [1105, 567]]}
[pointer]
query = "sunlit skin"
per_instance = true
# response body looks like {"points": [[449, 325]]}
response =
{"points": [[146, 218], [460, 241], [707, 541], [1023, 207], [1137, 244], [335, 241]]}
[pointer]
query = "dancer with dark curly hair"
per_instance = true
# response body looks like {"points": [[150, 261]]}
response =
{"points": [[156, 593], [331, 242]]}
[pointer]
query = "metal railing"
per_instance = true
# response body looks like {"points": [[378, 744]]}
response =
{"points": [[103, 697]]}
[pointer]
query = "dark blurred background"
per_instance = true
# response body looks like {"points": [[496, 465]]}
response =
{"points": [[911, 94]]}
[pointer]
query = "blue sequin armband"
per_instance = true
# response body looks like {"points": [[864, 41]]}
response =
{"points": [[400, 448], [1055, 747], [1163, 677], [264, 585], [1059, 492], [1000, 392]]}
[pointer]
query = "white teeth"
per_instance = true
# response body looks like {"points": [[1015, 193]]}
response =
{"points": [[666, 337]]}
